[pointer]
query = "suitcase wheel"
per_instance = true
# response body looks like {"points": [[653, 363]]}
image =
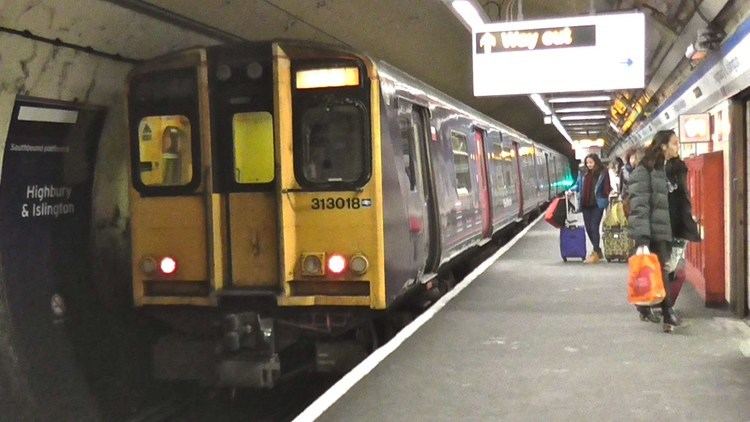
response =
{"points": [[565, 259]]}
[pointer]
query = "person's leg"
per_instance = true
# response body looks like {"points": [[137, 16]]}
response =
{"points": [[663, 251], [587, 222], [647, 314], [596, 220]]}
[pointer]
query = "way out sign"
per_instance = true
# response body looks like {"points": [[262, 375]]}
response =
{"points": [[586, 53]]}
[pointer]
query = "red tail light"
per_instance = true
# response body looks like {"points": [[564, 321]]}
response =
{"points": [[336, 264], [167, 265]]}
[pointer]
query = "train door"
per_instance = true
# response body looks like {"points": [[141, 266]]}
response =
{"points": [[413, 125], [484, 192], [243, 124], [516, 152], [171, 203]]}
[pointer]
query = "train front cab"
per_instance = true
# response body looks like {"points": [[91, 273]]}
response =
{"points": [[254, 197]]}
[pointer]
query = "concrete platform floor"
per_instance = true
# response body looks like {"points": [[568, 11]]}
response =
{"points": [[535, 339]]}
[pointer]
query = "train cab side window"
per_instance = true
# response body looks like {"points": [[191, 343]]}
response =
{"points": [[165, 151], [252, 138], [461, 162], [407, 148], [411, 128]]}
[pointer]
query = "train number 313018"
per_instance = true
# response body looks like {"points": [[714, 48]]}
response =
{"points": [[339, 203]]}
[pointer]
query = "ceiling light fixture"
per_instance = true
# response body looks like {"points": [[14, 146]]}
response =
{"points": [[575, 124], [585, 117], [541, 105], [580, 109], [560, 128], [592, 98]]}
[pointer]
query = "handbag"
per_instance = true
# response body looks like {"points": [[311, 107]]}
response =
{"points": [[678, 252], [645, 282], [615, 215], [556, 212]]}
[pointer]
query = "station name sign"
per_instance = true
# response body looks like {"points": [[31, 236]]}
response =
{"points": [[560, 37], [586, 53]]}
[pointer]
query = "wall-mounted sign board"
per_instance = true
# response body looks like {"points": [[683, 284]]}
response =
{"points": [[586, 53]]}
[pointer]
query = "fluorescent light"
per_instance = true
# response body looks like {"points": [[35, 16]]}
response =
{"points": [[580, 99], [580, 109], [585, 117], [468, 13], [614, 127], [541, 105], [560, 128], [574, 124]]}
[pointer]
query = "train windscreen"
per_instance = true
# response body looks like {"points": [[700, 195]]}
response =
{"points": [[331, 126]]}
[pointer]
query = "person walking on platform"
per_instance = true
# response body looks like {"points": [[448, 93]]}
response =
{"points": [[649, 220], [593, 195]]}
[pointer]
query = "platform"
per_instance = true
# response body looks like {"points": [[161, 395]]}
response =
{"points": [[533, 338]]}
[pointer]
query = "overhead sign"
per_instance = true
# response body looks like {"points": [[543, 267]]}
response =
{"points": [[587, 53]]}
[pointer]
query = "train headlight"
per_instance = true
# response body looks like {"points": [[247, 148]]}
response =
{"points": [[148, 265], [358, 264], [336, 263], [312, 264], [167, 265]]}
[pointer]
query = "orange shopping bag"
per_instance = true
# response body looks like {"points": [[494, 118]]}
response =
{"points": [[645, 283]]}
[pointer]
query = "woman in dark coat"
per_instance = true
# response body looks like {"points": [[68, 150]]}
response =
{"points": [[649, 220], [684, 228], [593, 188], [680, 209]]}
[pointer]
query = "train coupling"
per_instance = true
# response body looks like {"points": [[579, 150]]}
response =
{"points": [[248, 350]]}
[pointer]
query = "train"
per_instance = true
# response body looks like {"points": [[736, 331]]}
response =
{"points": [[286, 196]]}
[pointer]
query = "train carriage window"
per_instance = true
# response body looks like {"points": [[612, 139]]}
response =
{"points": [[461, 162], [252, 135], [411, 128], [407, 147], [165, 151], [332, 147]]}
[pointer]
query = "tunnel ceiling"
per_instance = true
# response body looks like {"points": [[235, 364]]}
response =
{"points": [[422, 37]]}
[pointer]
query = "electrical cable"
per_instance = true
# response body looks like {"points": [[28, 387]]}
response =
{"points": [[60, 43]]}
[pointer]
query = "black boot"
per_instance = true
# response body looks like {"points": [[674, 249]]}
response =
{"points": [[671, 320], [647, 314]]}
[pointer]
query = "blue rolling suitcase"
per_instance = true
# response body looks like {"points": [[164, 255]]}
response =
{"points": [[572, 238]]}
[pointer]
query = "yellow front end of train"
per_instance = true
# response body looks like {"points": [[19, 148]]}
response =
{"points": [[256, 173]]}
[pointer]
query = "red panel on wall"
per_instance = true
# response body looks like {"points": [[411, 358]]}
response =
{"points": [[705, 260]]}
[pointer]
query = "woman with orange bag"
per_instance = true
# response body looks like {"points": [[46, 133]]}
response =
{"points": [[649, 220]]}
